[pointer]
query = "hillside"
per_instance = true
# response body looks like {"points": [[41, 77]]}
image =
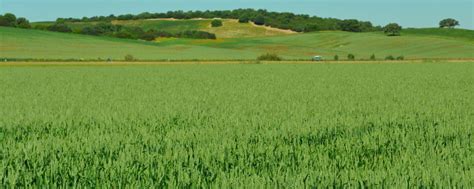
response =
{"points": [[19, 43], [441, 32], [230, 29]]}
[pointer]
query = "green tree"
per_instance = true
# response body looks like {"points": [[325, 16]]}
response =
{"points": [[350, 25], [336, 57], [448, 23], [351, 57], [8, 20], [259, 20], [244, 19], [23, 23], [392, 29], [3, 22], [216, 23]]}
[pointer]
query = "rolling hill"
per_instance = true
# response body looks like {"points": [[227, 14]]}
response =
{"points": [[20, 43], [230, 29]]}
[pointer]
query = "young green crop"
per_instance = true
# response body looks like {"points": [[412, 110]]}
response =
{"points": [[237, 126]]}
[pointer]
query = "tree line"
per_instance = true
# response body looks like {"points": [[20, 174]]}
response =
{"points": [[282, 20], [10, 20], [128, 32]]}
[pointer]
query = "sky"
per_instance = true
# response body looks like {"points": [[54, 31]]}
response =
{"points": [[408, 13]]}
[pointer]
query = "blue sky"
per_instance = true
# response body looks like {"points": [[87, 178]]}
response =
{"points": [[408, 13]]}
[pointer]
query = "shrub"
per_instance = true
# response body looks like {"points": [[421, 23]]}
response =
{"points": [[148, 36], [60, 27], [216, 23], [269, 57], [372, 57], [135, 32], [351, 57], [196, 35], [401, 58], [41, 27], [336, 58], [389, 57], [129, 57], [123, 34]]}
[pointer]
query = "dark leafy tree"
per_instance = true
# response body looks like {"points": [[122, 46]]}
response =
{"points": [[23, 23], [216, 23], [259, 20], [448, 23], [392, 29], [244, 19], [3, 22], [8, 20], [336, 57], [350, 26], [351, 57]]}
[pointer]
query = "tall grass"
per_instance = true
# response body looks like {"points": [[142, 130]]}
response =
{"points": [[250, 126]]}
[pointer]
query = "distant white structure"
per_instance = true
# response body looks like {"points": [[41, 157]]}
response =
{"points": [[317, 58]]}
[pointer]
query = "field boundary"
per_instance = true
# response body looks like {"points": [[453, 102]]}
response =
{"points": [[222, 62]]}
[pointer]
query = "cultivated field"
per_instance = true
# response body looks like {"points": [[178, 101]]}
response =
{"points": [[253, 126], [19, 43]]}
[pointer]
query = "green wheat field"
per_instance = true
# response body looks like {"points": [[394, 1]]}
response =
{"points": [[400, 125]]}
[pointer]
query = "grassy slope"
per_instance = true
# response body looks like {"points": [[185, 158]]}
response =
{"points": [[18, 43], [230, 28], [446, 33]]}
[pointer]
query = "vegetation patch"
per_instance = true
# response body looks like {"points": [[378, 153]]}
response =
{"points": [[244, 126], [269, 57]]}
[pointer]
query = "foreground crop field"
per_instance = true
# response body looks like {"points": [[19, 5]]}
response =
{"points": [[253, 126]]}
